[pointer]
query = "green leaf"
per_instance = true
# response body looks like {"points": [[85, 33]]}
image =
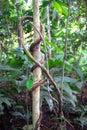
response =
{"points": [[45, 3], [16, 63], [5, 100], [68, 94], [65, 10], [79, 72], [49, 102], [60, 7], [29, 83], [66, 79], [78, 85], [57, 6], [17, 114], [76, 68], [45, 95], [53, 62]]}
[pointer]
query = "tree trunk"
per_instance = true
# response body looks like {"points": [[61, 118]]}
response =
{"points": [[37, 71], [48, 24]]}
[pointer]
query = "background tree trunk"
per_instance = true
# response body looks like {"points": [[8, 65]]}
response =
{"points": [[48, 28], [48, 24], [37, 71]]}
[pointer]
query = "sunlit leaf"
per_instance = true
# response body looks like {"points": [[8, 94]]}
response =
{"points": [[57, 6], [60, 7]]}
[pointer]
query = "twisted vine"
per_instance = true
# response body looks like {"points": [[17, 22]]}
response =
{"points": [[35, 45], [32, 47]]}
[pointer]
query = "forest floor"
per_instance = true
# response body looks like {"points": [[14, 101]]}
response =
{"points": [[49, 118]]}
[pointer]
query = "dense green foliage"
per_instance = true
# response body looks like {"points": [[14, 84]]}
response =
{"points": [[68, 64]]}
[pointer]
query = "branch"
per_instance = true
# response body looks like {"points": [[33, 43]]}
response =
{"points": [[36, 85]]}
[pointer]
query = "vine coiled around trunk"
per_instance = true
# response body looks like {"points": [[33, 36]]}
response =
{"points": [[32, 47], [36, 43]]}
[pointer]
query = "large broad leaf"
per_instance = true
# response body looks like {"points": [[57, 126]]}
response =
{"points": [[68, 95], [66, 79], [18, 114], [60, 7], [45, 95], [29, 83], [57, 6], [5, 100], [79, 72], [49, 102], [76, 68], [78, 85]]}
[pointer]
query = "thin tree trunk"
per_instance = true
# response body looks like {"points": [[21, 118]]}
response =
{"points": [[18, 9], [48, 28], [48, 24], [37, 71], [49, 38]]}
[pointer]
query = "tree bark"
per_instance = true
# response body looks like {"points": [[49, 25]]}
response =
{"points": [[37, 71]]}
